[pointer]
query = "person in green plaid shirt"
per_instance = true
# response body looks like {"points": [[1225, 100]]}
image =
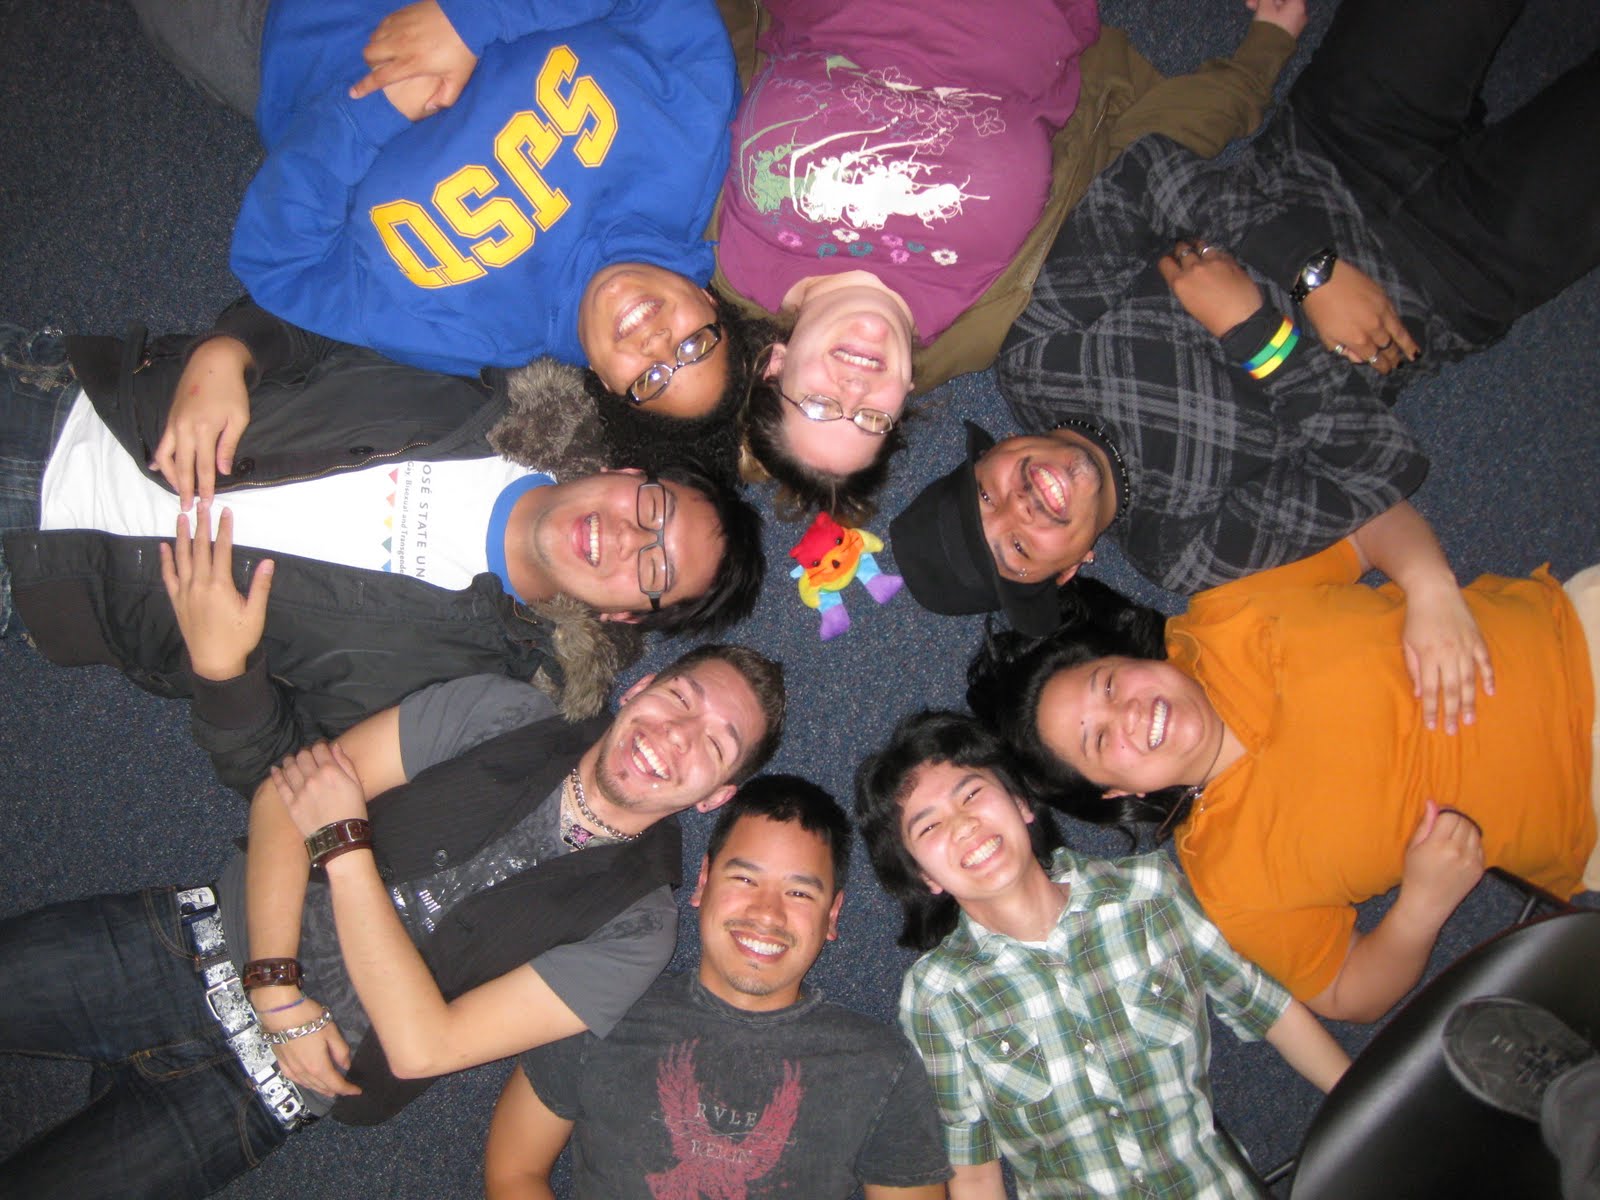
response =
{"points": [[1060, 1008]]}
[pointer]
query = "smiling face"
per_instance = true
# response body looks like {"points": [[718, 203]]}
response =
{"points": [[967, 833], [766, 905], [582, 539], [852, 341], [676, 743], [1131, 725], [1043, 501], [634, 315]]}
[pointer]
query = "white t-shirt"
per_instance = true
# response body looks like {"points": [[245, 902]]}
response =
{"points": [[428, 520]]}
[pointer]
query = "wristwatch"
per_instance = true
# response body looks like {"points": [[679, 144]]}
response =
{"points": [[338, 838], [1318, 268]]}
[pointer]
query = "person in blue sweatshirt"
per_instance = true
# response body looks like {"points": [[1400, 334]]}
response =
{"points": [[555, 208]]}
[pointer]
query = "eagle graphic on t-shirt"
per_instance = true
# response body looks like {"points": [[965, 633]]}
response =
{"points": [[713, 1165]]}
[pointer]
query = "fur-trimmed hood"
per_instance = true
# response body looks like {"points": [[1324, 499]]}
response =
{"points": [[551, 425]]}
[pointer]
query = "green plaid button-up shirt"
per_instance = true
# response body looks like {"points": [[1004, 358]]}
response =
{"points": [[1084, 1062]]}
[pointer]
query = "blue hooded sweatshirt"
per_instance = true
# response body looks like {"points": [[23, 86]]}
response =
{"points": [[590, 133]]}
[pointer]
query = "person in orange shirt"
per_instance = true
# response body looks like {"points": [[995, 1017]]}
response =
{"points": [[1280, 732]]}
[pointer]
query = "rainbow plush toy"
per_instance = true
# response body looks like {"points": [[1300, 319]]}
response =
{"points": [[829, 557]]}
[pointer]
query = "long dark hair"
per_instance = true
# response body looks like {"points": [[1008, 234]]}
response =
{"points": [[886, 778], [1008, 674]]}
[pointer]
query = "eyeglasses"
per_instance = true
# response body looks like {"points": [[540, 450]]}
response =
{"points": [[691, 350], [816, 407], [655, 572]]}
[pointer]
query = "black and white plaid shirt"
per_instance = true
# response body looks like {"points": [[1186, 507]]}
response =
{"points": [[1228, 475]]}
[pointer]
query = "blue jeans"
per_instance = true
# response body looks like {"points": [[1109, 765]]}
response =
{"points": [[35, 394], [110, 981]]}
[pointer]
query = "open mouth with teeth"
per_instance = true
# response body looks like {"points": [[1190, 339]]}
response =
{"points": [[757, 945], [1158, 723], [1049, 488], [586, 539], [646, 760], [854, 356], [636, 314], [981, 853]]}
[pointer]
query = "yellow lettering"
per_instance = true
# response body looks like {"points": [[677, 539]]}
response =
{"points": [[497, 214], [522, 147], [570, 112], [449, 267]]}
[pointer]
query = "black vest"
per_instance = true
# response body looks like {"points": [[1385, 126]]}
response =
{"points": [[446, 815]]}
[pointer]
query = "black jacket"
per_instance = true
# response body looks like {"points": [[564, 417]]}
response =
{"points": [[446, 815], [341, 642]]}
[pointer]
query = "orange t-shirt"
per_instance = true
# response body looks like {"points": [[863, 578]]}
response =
{"points": [[1305, 665]]}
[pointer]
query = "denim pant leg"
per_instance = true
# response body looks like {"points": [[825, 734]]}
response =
{"points": [[36, 392], [1570, 1121], [108, 980]]}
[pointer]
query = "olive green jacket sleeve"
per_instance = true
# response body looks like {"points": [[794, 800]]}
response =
{"points": [[1122, 98]]}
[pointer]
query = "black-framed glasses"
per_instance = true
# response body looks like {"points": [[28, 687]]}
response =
{"points": [[653, 507], [814, 406], [691, 350]]}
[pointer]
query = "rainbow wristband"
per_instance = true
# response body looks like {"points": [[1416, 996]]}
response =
{"points": [[1271, 356]]}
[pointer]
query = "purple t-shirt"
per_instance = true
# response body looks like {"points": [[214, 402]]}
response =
{"points": [[909, 138]]}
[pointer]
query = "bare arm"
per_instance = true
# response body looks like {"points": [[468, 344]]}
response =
{"points": [[1308, 1047], [1444, 650], [423, 1034], [525, 1138], [983, 1182], [1444, 861], [927, 1191]]}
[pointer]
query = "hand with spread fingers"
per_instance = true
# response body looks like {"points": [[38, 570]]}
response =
{"points": [[319, 1059], [1355, 319], [220, 627], [210, 411], [1446, 656], [1212, 287], [414, 42], [319, 785]]}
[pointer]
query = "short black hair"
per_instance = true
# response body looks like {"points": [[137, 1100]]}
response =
{"points": [[788, 799], [1007, 676], [765, 677], [885, 779], [802, 487], [737, 583]]}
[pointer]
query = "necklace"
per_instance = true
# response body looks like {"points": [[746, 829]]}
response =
{"points": [[1193, 795], [577, 831], [1098, 436]]}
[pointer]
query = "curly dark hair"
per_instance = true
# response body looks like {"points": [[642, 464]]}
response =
{"points": [[884, 781], [1008, 674], [640, 437]]}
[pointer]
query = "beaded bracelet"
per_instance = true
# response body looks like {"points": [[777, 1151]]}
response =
{"points": [[280, 1036], [1272, 355]]}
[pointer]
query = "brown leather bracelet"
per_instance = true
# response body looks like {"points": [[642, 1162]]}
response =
{"points": [[271, 972], [341, 837]]}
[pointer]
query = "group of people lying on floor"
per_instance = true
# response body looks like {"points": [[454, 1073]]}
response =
{"points": [[482, 422]]}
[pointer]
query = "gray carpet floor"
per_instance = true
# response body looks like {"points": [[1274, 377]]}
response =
{"points": [[118, 187]]}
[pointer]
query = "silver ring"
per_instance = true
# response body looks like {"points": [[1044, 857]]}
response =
{"points": [[1373, 361], [1340, 348], [1207, 249], [1385, 346], [1182, 251]]}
